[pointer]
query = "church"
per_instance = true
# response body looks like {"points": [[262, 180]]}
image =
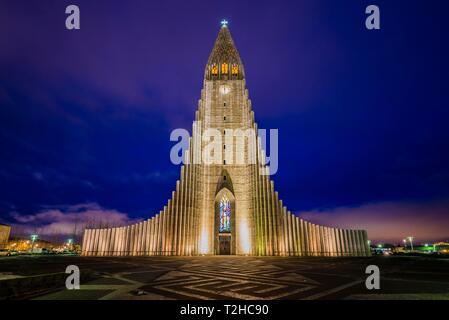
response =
{"points": [[224, 208]]}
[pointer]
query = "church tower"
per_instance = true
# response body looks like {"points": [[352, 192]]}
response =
{"points": [[225, 202]]}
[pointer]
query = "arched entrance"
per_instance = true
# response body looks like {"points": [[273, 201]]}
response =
{"points": [[224, 225], [224, 222], [224, 217]]}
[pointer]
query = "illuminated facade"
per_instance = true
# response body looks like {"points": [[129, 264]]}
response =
{"points": [[224, 207], [4, 235]]}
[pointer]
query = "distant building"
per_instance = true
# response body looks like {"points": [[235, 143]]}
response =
{"points": [[4, 235], [441, 247]]}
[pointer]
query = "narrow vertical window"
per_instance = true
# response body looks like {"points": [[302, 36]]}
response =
{"points": [[235, 70], [224, 68], [225, 215], [214, 70]]}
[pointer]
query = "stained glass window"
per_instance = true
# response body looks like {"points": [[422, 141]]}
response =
{"points": [[225, 214]]}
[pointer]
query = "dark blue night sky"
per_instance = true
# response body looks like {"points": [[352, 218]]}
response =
{"points": [[85, 116]]}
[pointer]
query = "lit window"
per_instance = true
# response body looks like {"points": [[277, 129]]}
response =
{"points": [[224, 68], [214, 70], [235, 70], [225, 215]]}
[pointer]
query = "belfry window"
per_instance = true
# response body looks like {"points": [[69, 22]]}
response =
{"points": [[225, 215], [235, 70], [214, 70], [224, 68]]}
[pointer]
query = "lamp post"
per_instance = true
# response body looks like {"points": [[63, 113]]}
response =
{"points": [[70, 243], [405, 244], [411, 242], [33, 239]]}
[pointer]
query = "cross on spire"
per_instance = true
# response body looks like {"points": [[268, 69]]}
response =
{"points": [[224, 23]]}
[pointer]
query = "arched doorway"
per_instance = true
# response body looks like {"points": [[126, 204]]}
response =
{"points": [[224, 222]]}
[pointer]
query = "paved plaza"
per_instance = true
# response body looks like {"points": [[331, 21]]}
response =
{"points": [[232, 277]]}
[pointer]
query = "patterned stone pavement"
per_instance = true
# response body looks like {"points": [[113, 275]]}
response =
{"points": [[230, 277]]}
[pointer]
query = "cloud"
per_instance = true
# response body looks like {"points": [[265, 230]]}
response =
{"points": [[390, 221], [66, 220]]}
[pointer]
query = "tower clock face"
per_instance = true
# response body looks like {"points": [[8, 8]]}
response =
{"points": [[224, 89]]}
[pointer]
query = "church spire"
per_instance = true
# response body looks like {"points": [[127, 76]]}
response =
{"points": [[224, 61]]}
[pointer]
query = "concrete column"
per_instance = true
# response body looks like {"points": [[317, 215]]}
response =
{"points": [[153, 235], [281, 235], [148, 237], [354, 241], [296, 235], [86, 235], [143, 240], [357, 243], [293, 233], [184, 218], [156, 235], [285, 231], [134, 239], [275, 217], [291, 237], [101, 242], [125, 241], [346, 242], [311, 238], [330, 242], [164, 234], [336, 242], [180, 214], [257, 210], [191, 225], [322, 241], [120, 241], [131, 233], [170, 225], [265, 235], [111, 241], [301, 236], [139, 238], [340, 242], [319, 239], [104, 242], [86, 239], [270, 217], [367, 247], [160, 221], [117, 241], [306, 237], [83, 244], [350, 243], [113, 247], [361, 243]]}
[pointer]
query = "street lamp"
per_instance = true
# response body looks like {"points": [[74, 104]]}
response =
{"points": [[411, 242], [33, 239]]}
